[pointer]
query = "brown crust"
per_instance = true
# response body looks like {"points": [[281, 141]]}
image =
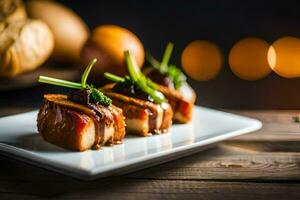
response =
{"points": [[130, 100], [167, 118], [68, 124], [20, 53], [181, 105], [134, 108], [119, 124], [135, 112], [64, 127], [62, 100]]}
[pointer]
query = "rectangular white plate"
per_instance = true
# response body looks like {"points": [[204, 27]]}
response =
{"points": [[19, 139]]}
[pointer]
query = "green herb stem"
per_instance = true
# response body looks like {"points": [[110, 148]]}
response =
{"points": [[113, 77], [141, 80], [166, 57], [132, 66], [155, 63], [87, 72], [96, 95], [151, 84], [174, 73], [59, 82]]}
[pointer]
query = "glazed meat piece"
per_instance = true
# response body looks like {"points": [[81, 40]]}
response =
{"points": [[74, 126], [171, 81], [182, 102], [143, 117], [182, 99]]}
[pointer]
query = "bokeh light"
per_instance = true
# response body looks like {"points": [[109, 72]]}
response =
{"points": [[201, 60], [284, 57], [248, 59]]}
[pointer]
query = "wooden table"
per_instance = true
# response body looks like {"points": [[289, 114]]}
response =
{"points": [[260, 165]]}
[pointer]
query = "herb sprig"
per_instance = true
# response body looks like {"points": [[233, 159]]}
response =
{"points": [[173, 72], [96, 95], [136, 76]]}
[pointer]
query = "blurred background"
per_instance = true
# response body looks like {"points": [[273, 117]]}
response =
{"points": [[237, 34]]}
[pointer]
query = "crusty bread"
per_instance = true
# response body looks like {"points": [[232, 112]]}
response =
{"points": [[24, 46]]}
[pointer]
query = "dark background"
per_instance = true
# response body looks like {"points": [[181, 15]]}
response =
{"points": [[223, 22]]}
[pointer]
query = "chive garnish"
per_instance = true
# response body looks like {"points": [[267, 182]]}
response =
{"points": [[155, 63], [96, 95], [145, 84], [87, 72], [113, 77], [141, 80], [173, 72], [166, 57], [59, 82]]}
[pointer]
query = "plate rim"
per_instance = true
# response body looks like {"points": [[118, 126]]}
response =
{"points": [[126, 166]]}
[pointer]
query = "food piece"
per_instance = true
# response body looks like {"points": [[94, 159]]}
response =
{"points": [[12, 10], [70, 31], [78, 127], [108, 43], [182, 102], [143, 117], [85, 119], [144, 107], [172, 83], [163, 73], [24, 46]]}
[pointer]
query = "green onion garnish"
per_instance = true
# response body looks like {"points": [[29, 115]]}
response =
{"points": [[145, 84], [166, 57], [155, 63], [87, 72], [59, 82], [96, 95], [141, 80], [132, 66], [173, 72], [113, 77]]}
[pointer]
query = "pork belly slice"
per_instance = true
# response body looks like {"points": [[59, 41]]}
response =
{"points": [[143, 118], [74, 126], [182, 102]]}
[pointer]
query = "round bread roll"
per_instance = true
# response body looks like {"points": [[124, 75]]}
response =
{"points": [[24, 46], [69, 30]]}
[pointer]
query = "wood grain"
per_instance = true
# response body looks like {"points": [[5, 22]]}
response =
{"points": [[215, 165], [260, 165], [25, 183]]}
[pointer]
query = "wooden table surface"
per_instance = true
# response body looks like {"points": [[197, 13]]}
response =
{"points": [[260, 165]]}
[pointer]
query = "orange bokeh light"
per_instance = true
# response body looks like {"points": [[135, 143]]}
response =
{"points": [[248, 59], [201, 60], [284, 57]]}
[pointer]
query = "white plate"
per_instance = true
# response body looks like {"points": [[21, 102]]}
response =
{"points": [[20, 140]]}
